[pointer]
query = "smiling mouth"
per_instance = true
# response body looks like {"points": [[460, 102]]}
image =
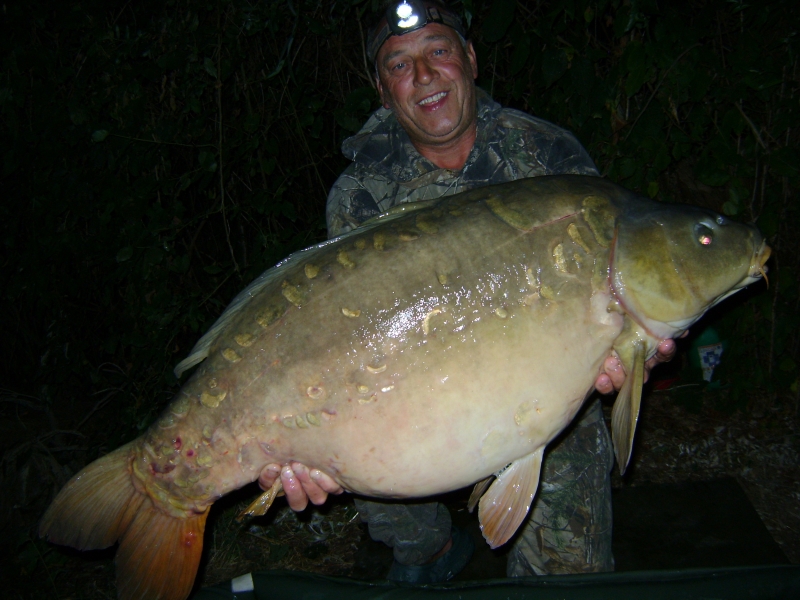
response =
{"points": [[432, 99]]}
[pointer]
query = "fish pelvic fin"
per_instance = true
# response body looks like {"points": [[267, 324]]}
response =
{"points": [[158, 554], [625, 414], [260, 505], [506, 503], [478, 491]]}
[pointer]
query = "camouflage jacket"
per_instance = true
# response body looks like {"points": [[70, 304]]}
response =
{"points": [[387, 170]]}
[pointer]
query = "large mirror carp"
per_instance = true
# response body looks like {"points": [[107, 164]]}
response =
{"points": [[429, 350]]}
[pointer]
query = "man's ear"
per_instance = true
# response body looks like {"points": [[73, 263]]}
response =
{"points": [[381, 93], [473, 60]]}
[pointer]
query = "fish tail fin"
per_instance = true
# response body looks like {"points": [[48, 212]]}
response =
{"points": [[158, 554], [96, 506]]}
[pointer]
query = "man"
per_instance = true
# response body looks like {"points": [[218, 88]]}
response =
{"points": [[437, 134]]}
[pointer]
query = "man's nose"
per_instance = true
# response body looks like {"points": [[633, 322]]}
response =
{"points": [[423, 72]]}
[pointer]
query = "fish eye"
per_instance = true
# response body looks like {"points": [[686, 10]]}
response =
{"points": [[703, 234], [720, 220]]}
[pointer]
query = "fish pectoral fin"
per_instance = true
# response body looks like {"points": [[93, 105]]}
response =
{"points": [[625, 413], [478, 491], [504, 506], [260, 505]]}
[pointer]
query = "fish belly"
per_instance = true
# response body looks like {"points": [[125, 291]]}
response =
{"points": [[467, 415]]}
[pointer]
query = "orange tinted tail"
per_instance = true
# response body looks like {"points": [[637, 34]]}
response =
{"points": [[158, 553]]}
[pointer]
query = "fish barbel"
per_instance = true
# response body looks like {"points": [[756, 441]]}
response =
{"points": [[431, 349]]}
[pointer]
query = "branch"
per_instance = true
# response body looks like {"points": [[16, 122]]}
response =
{"points": [[370, 78], [126, 137], [752, 127], [219, 150]]}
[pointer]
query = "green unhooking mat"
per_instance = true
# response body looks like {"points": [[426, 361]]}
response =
{"points": [[748, 583], [662, 534]]}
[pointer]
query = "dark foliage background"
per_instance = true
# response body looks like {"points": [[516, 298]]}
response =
{"points": [[157, 156]]}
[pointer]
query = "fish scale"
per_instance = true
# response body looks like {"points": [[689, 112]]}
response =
{"points": [[442, 344]]}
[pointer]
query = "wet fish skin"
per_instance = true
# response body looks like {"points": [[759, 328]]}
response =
{"points": [[424, 352]]}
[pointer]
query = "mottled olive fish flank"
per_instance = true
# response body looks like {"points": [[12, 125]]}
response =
{"points": [[442, 344]]}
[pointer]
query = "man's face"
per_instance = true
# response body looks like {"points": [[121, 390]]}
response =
{"points": [[427, 79]]}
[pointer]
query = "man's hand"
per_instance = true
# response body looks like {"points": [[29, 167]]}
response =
{"points": [[612, 376], [299, 484]]}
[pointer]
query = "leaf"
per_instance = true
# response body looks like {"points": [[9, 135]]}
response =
{"points": [[730, 209], [710, 172], [627, 167], [207, 161], [210, 67], [277, 69], [732, 122], [785, 161], [360, 100], [522, 49], [346, 121], [768, 222], [124, 254], [583, 79], [99, 135], [554, 65], [251, 122], [500, 17], [733, 205], [193, 104], [622, 21], [638, 73]]}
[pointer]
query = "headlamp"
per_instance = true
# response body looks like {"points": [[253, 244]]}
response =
{"points": [[406, 16]]}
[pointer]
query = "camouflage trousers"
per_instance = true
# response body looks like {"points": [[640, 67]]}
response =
{"points": [[568, 529], [414, 530]]}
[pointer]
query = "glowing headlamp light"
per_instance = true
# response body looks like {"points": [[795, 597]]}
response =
{"points": [[407, 16], [404, 18]]}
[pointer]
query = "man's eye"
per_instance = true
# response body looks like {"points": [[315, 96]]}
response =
{"points": [[398, 66], [439, 52]]}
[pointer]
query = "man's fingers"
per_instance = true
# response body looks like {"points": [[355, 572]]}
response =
{"points": [[603, 384], [326, 482], [664, 353], [299, 484], [268, 476], [295, 494], [314, 492], [611, 377], [666, 350]]}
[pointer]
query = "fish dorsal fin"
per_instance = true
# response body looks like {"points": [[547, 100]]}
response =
{"points": [[625, 414], [504, 506], [201, 349], [398, 211], [269, 277]]}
